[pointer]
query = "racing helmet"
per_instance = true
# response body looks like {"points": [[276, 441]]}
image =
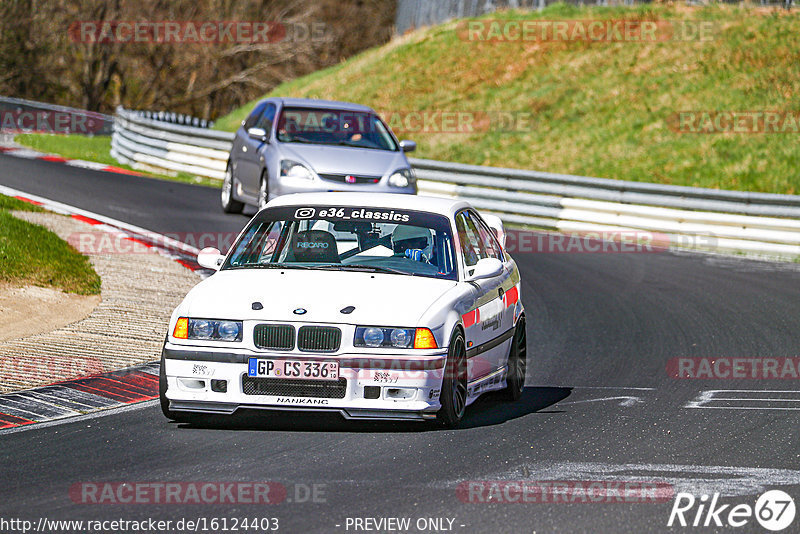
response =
{"points": [[407, 237]]}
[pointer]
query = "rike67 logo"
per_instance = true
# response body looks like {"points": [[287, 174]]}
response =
{"points": [[774, 510]]}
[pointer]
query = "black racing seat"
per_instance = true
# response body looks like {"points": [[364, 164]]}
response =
{"points": [[314, 246]]}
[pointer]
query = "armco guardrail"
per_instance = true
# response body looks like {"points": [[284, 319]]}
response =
{"points": [[151, 144], [691, 217], [20, 115]]}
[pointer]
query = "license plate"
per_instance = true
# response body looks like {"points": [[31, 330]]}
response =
{"points": [[293, 369]]}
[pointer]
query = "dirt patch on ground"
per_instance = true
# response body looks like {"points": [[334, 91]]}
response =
{"points": [[30, 310], [125, 327]]}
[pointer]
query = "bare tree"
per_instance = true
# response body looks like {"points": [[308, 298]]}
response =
{"points": [[41, 57]]}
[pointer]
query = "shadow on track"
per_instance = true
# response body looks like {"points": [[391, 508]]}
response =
{"points": [[488, 410]]}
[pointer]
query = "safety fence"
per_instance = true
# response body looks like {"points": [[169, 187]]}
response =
{"points": [[413, 14], [18, 115], [709, 219]]}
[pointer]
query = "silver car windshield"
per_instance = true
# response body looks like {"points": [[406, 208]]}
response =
{"points": [[347, 238], [334, 127]]}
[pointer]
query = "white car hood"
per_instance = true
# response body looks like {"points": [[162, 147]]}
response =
{"points": [[379, 299]]}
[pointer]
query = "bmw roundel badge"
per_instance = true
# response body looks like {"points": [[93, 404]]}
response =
{"points": [[300, 311]]}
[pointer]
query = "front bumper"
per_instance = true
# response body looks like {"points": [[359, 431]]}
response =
{"points": [[285, 186], [375, 386]]}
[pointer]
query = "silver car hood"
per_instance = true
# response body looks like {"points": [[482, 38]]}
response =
{"points": [[336, 160]]}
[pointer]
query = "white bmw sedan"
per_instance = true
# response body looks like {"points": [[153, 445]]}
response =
{"points": [[375, 306]]}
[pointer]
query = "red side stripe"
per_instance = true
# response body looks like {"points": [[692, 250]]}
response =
{"points": [[511, 296], [125, 386], [471, 318], [58, 159], [29, 201], [126, 398], [118, 170], [10, 421], [135, 387], [86, 219], [144, 381], [133, 239], [186, 264]]}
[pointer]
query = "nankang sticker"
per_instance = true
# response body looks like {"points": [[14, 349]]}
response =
{"points": [[296, 400]]}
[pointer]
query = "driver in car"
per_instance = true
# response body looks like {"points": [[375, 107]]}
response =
{"points": [[413, 242]]}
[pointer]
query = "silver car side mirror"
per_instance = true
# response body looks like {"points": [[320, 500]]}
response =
{"points": [[257, 133], [210, 258], [408, 146]]}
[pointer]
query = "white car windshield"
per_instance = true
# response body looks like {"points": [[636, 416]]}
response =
{"points": [[347, 238]]}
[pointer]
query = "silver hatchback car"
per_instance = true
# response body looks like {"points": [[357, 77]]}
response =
{"points": [[298, 145]]}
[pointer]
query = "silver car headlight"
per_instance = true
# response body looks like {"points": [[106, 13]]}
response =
{"points": [[293, 169], [402, 178]]}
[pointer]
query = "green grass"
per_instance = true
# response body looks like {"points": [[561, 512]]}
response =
{"points": [[598, 108], [97, 148], [14, 204], [32, 254]]}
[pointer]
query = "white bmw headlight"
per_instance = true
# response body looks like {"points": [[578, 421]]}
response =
{"points": [[293, 169], [200, 329], [391, 337], [207, 329], [229, 330], [373, 337], [402, 178]]}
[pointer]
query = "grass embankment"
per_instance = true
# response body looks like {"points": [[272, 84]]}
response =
{"points": [[33, 255], [599, 108], [98, 149]]}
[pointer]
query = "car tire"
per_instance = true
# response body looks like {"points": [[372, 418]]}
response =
{"points": [[263, 191], [229, 204], [180, 417], [454, 383], [517, 363]]}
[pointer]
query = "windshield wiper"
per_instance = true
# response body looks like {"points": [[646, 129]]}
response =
{"points": [[357, 145], [269, 266], [301, 140], [363, 268]]}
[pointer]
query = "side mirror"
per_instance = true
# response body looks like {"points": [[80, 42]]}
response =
{"points": [[486, 268], [496, 225], [408, 146], [210, 258], [257, 133]]}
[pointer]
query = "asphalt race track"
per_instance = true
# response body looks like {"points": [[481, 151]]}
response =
{"points": [[599, 403]]}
